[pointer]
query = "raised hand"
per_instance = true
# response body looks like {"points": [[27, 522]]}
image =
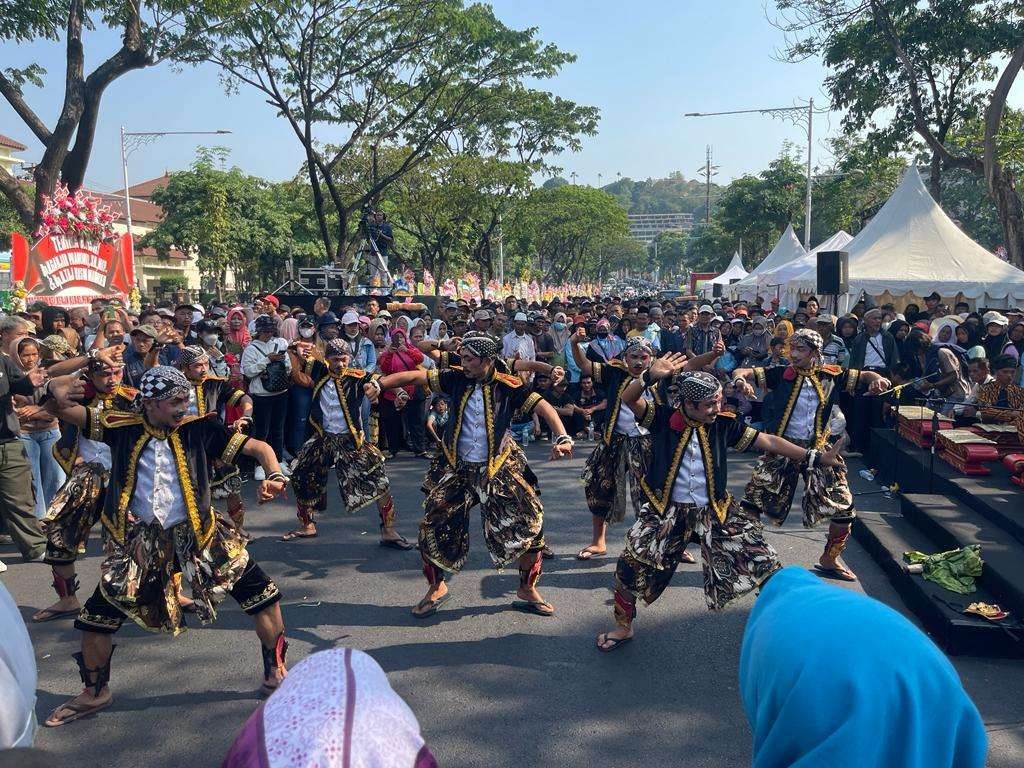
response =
{"points": [[37, 376], [743, 387], [67, 389], [112, 356], [668, 365]]}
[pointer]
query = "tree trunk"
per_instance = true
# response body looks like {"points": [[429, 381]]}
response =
{"points": [[935, 178], [1011, 216]]}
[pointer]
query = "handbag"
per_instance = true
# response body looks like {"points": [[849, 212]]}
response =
{"points": [[275, 376]]}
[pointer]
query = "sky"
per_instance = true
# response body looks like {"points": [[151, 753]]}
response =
{"points": [[643, 64]]}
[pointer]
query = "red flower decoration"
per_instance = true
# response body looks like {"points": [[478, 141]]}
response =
{"points": [[789, 374]]}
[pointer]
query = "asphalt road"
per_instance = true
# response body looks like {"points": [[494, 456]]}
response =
{"points": [[490, 686]]}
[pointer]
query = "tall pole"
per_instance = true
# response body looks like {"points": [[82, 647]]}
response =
{"points": [[128, 212], [810, 137], [707, 189], [501, 254]]}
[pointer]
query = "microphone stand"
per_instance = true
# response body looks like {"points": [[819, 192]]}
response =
{"points": [[934, 401]]}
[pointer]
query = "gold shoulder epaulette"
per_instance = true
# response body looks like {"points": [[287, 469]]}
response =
{"points": [[512, 381], [355, 373], [115, 419], [833, 370], [211, 377], [616, 363], [125, 391], [727, 414]]}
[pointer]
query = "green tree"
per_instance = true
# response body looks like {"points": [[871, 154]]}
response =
{"points": [[562, 231], [419, 75], [668, 252], [226, 218], [151, 32], [932, 65], [710, 247], [10, 222]]}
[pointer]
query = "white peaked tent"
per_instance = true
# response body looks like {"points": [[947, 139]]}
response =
{"points": [[912, 247], [787, 250], [734, 271], [782, 275]]}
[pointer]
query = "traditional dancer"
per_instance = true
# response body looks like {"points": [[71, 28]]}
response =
{"points": [[799, 407], [213, 394], [480, 465], [76, 507], [158, 520], [686, 495], [337, 440], [614, 469]]}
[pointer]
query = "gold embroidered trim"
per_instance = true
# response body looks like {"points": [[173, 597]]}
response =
{"points": [[759, 378], [94, 423], [597, 372], [648, 418], [798, 386], [236, 396], [268, 592], [234, 445], [203, 536], [200, 389], [434, 381], [747, 439], [530, 403], [118, 527], [451, 451], [96, 620], [852, 380]]}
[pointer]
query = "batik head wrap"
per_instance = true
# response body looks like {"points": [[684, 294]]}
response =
{"points": [[638, 344], [481, 345], [889, 666], [337, 348], [695, 386], [191, 354], [810, 338], [163, 382]]}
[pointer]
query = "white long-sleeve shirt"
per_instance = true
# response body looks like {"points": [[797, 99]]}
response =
{"points": [[513, 344], [254, 362]]}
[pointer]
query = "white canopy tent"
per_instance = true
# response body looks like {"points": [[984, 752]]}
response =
{"points": [[786, 250], [733, 272], [911, 248], [777, 280]]}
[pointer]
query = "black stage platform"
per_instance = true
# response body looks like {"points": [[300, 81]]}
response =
{"points": [[943, 510]]}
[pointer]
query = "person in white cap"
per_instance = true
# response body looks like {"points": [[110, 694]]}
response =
{"points": [[702, 337], [517, 343], [996, 337]]}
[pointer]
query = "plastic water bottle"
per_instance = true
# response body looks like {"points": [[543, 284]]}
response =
{"points": [[868, 475], [590, 431], [524, 435]]}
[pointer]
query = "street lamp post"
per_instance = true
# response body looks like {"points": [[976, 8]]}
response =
{"points": [[797, 115], [130, 141]]}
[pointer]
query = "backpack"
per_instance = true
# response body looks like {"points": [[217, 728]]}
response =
{"points": [[275, 377]]}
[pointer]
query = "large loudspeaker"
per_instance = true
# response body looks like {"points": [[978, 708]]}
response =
{"points": [[833, 272], [716, 290]]}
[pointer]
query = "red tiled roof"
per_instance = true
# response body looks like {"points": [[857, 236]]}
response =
{"points": [[145, 189], [151, 253], [143, 211], [6, 141]]}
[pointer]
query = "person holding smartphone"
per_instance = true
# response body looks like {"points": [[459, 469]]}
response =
{"points": [[267, 368]]}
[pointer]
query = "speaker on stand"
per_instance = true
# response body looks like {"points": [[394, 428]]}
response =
{"points": [[833, 275]]}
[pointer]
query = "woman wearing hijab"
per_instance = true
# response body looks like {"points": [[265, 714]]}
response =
{"points": [[1015, 344], [894, 700], [783, 330], [56, 321], [996, 338], [39, 429], [560, 333], [237, 335], [847, 329], [17, 678], [288, 329], [438, 331], [349, 716]]}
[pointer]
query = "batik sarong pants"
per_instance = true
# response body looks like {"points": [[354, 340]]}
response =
{"points": [[612, 473], [772, 487], [137, 578], [513, 517], [734, 555], [73, 511], [360, 470]]}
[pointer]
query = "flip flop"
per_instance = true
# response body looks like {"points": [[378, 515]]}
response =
{"points": [[834, 573], [430, 606], [686, 557], [292, 535], [537, 608], [615, 642], [587, 554], [47, 615], [78, 712], [401, 544], [547, 553]]}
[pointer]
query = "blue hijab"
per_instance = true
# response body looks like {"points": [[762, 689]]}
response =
{"points": [[832, 678]]}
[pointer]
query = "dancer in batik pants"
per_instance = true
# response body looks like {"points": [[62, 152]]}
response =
{"points": [[686, 489], [158, 520], [336, 440], [478, 465], [799, 407]]}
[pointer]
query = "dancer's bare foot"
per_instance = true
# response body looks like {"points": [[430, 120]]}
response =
{"points": [[832, 567], [609, 641], [83, 704], [272, 681], [533, 602], [302, 532], [391, 538], [592, 550], [66, 606], [436, 595], [686, 557]]}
